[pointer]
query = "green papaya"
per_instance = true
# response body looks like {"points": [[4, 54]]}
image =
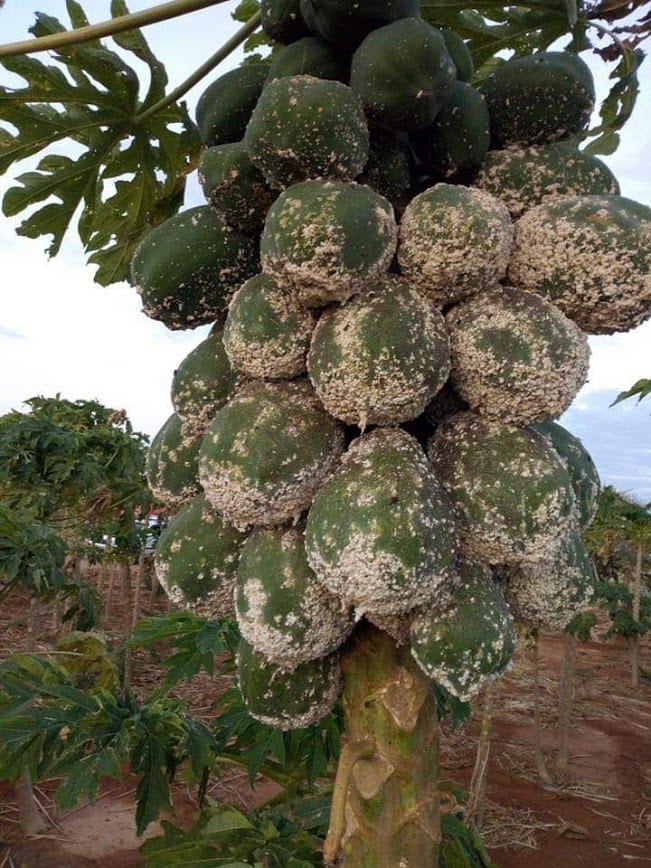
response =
{"points": [[196, 558], [524, 177], [380, 358], [591, 256], [538, 98], [459, 136], [224, 108], [460, 54], [306, 127], [310, 56], [403, 74], [515, 356], [345, 24], [171, 467], [512, 493], [580, 466], [547, 595], [294, 620], [203, 382], [380, 533], [328, 240], [267, 452], [288, 699], [267, 332], [454, 242], [390, 164], [282, 20], [235, 189], [472, 641], [187, 268]]}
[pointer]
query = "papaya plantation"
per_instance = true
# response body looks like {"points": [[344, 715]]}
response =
{"points": [[406, 240]]}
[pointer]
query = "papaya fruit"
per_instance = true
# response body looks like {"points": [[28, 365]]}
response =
{"points": [[539, 98], [403, 74]]}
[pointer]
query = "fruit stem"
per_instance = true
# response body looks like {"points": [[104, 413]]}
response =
{"points": [[162, 12]]}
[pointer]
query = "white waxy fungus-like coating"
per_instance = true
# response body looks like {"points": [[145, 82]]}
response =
{"points": [[548, 594], [267, 332], [469, 643], [525, 177], [267, 452], [282, 610], [454, 242], [328, 240], [512, 492], [380, 533], [515, 356], [591, 256], [195, 560], [380, 358]]}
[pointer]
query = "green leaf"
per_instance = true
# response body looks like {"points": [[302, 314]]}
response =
{"points": [[226, 819], [641, 389], [106, 167], [618, 106], [245, 10]]}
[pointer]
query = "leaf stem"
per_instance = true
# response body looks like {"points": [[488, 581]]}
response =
{"points": [[162, 12], [221, 54], [623, 50]]}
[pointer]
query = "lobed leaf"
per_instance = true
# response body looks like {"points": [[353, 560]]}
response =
{"points": [[122, 168]]}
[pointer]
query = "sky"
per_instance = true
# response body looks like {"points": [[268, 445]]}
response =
{"points": [[62, 333]]}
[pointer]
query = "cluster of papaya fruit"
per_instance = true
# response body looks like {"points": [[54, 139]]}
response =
{"points": [[401, 267]]}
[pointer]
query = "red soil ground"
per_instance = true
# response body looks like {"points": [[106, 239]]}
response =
{"points": [[598, 814]]}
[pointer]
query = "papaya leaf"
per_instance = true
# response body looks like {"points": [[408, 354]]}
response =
{"points": [[642, 388], [618, 105], [489, 28], [245, 9], [108, 163], [197, 641], [226, 819]]}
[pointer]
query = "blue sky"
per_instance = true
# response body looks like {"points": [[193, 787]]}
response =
{"points": [[60, 332]]}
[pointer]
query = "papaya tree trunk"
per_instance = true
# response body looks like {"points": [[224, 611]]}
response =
{"points": [[541, 766], [108, 605], [635, 642], [132, 601], [566, 699], [477, 789], [385, 806], [33, 623], [29, 816]]}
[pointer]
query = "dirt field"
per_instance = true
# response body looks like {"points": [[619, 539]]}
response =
{"points": [[598, 814]]}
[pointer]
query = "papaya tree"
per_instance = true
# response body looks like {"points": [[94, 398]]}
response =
{"points": [[66, 467], [76, 468], [402, 252], [619, 540]]}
